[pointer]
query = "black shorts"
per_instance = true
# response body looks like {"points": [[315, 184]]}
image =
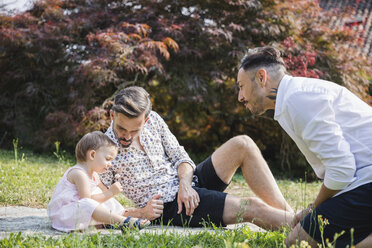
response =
{"points": [[352, 209], [212, 201]]}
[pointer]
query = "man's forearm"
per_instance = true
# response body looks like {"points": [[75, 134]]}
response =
{"points": [[134, 212], [323, 195], [185, 173]]}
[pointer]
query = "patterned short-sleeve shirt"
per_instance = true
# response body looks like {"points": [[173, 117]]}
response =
{"points": [[144, 174]]}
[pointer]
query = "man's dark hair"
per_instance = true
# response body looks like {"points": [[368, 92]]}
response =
{"points": [[261, 57], [132, 102]]}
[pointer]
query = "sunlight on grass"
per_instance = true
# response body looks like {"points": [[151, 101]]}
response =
{"points": [[31, 182], [297, 193]]}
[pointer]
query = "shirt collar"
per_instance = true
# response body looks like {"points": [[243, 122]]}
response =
{"points": [[110, 133], [283, 85]]}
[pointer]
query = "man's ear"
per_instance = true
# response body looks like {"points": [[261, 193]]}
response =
{"points": [[261, 77], [112, 114], [91, 154]]}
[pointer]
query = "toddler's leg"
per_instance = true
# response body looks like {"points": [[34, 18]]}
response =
{"points": [[105, 216]]}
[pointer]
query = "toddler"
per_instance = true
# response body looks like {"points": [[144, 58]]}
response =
{"points": [[80, 199]]}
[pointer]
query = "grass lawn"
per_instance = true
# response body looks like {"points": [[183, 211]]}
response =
{"points": [[30, 179]]}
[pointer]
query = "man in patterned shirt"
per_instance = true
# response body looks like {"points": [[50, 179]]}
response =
{"points": [[160, 178]]}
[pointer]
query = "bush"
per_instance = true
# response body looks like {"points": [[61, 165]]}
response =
{"points": [[62, 61]]}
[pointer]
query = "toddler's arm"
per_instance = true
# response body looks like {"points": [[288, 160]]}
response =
{"points": [[81, 181], [107, 193]]}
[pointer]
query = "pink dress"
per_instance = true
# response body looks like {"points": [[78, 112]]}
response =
{"points": [[68, 212]]}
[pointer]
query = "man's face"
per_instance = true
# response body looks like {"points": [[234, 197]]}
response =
{"points": [[127, 129], [251, 94]]}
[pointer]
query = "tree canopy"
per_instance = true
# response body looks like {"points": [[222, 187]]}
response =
{"points": [[62, 61]]}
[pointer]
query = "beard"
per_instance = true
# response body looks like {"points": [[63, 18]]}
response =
{"points": [[126, 141], [123, 139]]}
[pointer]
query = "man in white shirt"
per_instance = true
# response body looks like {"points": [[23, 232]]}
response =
{"points": [[163, 182], [333, 129]]}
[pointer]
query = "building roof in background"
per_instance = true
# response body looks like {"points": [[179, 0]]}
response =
{"points": [[14, 6], [362, 17]]}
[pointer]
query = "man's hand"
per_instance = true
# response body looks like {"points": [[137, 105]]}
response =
{"points": [[300, 215], [154, 208], [116, 188], [187, 196]]}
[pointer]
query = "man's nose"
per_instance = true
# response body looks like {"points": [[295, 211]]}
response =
{"points": [[240, 97], [127, 136]]}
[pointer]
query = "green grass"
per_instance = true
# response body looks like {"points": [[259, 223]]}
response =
{"points": [[297, 193], [30, 179], [219, 238], [28, 182]]}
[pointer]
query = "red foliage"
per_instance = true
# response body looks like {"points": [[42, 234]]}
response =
{"points": [[318, 47], [62, 61], [299, 61]]}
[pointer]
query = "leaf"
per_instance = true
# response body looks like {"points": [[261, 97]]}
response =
{"points": [[171, 43], [134, 36]]}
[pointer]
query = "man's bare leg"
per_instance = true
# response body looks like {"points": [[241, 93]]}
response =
{"points": [[297, 235], [241, 151], [256, 211], [365, 243]]}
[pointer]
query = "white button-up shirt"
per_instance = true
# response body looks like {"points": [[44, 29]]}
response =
{"points": [[144, 174], [331, 126]]}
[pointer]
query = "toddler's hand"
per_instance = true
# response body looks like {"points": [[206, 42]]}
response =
{"points": [[116, 188]]}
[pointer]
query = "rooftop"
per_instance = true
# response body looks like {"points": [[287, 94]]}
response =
{"points": [[361, 18]]}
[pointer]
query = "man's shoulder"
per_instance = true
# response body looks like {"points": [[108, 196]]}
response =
{"points": [[313, 84], [154, 114], [299, 86], [154, 118]]}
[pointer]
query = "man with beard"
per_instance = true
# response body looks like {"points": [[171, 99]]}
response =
{"points": [[333, 129], [163, 182]]}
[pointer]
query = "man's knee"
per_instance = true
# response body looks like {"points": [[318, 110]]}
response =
{"points": [[297, 235], [243, 143], [293, 237]]}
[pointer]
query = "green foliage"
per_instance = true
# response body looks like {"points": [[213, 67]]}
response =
{"points": [[61, 155], [219, 237], [207, 238], [62, 61]]}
